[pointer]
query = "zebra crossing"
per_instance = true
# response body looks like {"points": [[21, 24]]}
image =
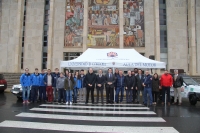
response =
{"points": [[116, 118]]}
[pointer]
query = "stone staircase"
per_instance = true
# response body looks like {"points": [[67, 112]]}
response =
{"points": [[12, 78]]}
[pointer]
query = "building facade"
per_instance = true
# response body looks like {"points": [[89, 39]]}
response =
{"points": [[41, 33]]}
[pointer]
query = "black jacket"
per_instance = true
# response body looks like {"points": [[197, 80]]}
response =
{"points": [[178, 82], [139, 82], [155, 84], [90, 79], [100, 80], [130, 81]]}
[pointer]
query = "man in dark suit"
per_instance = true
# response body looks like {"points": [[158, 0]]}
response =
{"points": [[90, 80], [110, 84], [100, 80], [139, 86]]}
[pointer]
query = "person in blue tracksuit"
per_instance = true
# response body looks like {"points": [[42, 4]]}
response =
{"points": [[120, 82], [25, 81], [147, 83], [77, 86], [42, 89], [56, 75], [35, 82]]}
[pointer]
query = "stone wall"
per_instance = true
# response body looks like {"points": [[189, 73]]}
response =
{"points": [[8, 36], [58, 32], [34, 34], [177, 34], [198, 34]]}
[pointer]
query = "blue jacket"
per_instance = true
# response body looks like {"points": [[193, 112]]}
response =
{"points": [[77, 83], [25, 80], [147, 81], [35, 79], [45, 79], [55, 77], [83, 81], [120, 81], [42, 79]]}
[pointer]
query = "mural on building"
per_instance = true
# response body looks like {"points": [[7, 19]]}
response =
{"points": [[74, 23], [103, 23], [133, 23]]}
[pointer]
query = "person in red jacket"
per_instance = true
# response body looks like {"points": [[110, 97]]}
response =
{"points": [[166, 82]]}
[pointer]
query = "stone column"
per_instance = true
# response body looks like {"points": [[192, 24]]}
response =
{"points": [[192, 38], [177, 34], [58, 32], [8, 35], [198, 34], [18, 34], [121, 28], [50, 34], [34, 34], [0, 15], [156, 32], [85, 25], [149, 27]]}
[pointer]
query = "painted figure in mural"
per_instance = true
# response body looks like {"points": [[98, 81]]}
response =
{"points": [[99, 21], [74, 23], [114, 18], [133, 23], [81, 16], [105, 22], [103, 16], [107, 37], [94, 18], [69, 38]]}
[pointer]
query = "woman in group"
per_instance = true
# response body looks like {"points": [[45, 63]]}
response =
{"points": [[155, 87], [69, 86], [77, 86]]}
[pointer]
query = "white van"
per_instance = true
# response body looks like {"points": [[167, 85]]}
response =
{"points": [[191, 90]]}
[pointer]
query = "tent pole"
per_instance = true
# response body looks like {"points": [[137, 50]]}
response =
{"points": [[114, 86]]}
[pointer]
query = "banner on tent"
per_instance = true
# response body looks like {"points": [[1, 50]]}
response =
{"points": [[150, 65], [79, 64], [101, 64]]}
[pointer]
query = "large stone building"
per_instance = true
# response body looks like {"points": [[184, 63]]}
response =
{"points": [[40, 33]]}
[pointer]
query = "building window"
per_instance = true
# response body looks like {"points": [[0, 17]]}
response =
{"points": [[163, 31], [71, 55], [45, 34], [23, 34]]}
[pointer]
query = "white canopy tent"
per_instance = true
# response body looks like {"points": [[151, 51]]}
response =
{"points": [[111, 58]]}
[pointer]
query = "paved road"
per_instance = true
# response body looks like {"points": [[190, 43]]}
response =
{"points": [[120, 118]]}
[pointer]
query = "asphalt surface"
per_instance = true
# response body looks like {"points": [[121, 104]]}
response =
{"points": [[51, 118]]}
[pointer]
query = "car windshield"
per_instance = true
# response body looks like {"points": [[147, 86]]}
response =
{"points": [[1, 76], [189, 81]]}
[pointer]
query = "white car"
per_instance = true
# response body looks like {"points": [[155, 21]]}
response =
{"points": [[17, 90], [191, 90]]}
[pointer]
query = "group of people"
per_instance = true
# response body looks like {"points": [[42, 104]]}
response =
{"points": [[134, 83]]}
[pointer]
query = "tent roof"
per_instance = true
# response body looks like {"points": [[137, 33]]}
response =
{"points": [[109, 58]]}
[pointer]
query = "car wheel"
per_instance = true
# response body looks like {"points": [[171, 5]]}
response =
{"points": [[1, 91], [193, 99], [19, 98]]}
